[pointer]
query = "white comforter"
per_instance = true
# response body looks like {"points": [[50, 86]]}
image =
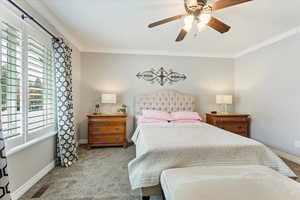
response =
{"points": [[161, 146]]}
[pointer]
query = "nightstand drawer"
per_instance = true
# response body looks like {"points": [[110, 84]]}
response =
{"points": [[106, 139], [107, 123], [231, 119], [106, 129], [235, 123], [234, 127]]}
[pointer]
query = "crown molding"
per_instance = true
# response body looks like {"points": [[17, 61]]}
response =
{"points": [[155, 53], [45, 12], [269, 42]]}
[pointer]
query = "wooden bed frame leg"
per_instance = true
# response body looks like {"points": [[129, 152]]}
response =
{"points": [[146, 197]]}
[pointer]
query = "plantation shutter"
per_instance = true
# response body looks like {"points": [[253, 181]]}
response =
{"points": [[11, 80], [40, 86]]}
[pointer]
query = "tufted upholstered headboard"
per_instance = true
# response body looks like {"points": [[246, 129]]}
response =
{"points": [[166, 100]]}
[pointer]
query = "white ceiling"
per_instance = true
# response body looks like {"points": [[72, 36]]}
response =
{"points": [[121, 26]]}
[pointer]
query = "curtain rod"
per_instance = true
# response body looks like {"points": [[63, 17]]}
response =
{"points": [[26, 15]]}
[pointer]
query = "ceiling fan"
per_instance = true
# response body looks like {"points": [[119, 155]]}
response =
{"points": [[200, 11]]}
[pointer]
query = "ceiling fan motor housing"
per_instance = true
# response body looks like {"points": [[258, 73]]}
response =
{"points": [[194, 7]]}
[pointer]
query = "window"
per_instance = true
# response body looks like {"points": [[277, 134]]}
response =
{"points": [[40, 86], [27, 82], [11, 80]]}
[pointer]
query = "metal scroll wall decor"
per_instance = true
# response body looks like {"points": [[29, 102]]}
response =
{"points": [[161, 76]]}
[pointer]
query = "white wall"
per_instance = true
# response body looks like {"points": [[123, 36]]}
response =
{"points": [[206, 77], [267, 86], [22, 166]]}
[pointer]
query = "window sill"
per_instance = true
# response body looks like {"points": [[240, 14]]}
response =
{"points": [[30, 143]]}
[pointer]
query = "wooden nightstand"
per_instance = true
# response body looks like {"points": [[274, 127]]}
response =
{"points": [[107, 130], [236, 123]]}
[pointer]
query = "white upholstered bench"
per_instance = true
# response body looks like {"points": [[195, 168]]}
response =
{"points": [[228, 183]]}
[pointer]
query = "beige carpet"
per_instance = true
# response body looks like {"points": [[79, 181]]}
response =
{"points": [[101, 174]]}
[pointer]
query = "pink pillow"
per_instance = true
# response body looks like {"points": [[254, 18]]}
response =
{"points": [[186, 121], [185, 116], [142, 119], [155, 114]]}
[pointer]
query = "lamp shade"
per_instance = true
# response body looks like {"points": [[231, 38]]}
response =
{"points": [[224, 99], [108, 98]]}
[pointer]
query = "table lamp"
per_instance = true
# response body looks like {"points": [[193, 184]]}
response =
{"points": [[224, 100], [108, 98]]}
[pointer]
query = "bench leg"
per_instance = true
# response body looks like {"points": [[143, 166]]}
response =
{"points": [[163, 196], [146, 197]]}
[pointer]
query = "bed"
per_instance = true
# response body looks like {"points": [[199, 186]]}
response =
{"points": [[161, 146]]}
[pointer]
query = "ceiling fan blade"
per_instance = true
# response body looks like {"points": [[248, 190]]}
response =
{"points": [[218, 25], [170, 19], [227, 3], [181, 35]]}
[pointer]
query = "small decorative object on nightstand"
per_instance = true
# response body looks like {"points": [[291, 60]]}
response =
{"points": [[236, 123], [123, 108], [107, 130], [97, 109]]}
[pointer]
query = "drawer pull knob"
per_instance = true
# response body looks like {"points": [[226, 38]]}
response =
{"points": [[117, 129]]}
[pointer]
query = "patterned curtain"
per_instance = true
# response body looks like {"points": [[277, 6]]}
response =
{"points": [[66, 138], [4, 183]]}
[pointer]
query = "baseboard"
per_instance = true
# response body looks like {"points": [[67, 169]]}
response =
{"points": [[287, 156], [83, 141], [24, 188]]}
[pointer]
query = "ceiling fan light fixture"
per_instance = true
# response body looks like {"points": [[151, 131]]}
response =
{"points": [[201, 26], [187, 27], [205, 18], [188, 20], [192, 2]]}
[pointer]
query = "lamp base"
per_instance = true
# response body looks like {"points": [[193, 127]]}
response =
{"points": [[225, 113]]}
